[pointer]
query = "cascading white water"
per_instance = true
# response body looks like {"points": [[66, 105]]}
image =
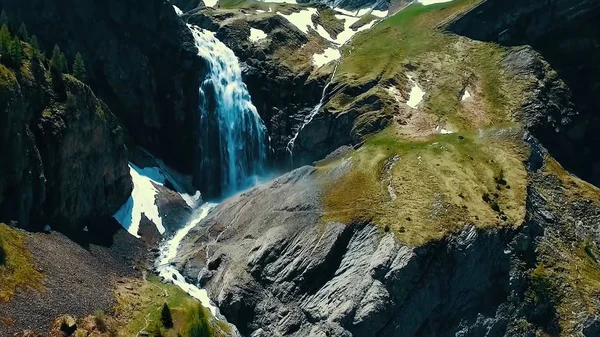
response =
{"points": [[233, 144], [169, 251]]}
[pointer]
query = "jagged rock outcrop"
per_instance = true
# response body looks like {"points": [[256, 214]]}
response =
{"points": [[65, 160], [274, 268], [565, 32], [140, 59]]}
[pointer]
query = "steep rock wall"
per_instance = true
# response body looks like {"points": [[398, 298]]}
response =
{"points": [[65, 160], [140, 60]]}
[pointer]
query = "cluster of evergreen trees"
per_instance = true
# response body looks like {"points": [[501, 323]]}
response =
{"points": [[12, 52]]}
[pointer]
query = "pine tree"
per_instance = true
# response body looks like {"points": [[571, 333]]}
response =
{"points": [[5, 40], [3, 18], [35, 47], [165, 317], [16, 52], [22, 32], [79, 70], [57, 60], [56, 71], [64, 62]]}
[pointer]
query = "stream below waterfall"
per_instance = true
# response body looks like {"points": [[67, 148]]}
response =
{"points": [[168, 252]]}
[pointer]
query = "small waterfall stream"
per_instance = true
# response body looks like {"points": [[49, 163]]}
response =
{"points": [[234, 141], [312, 114]]}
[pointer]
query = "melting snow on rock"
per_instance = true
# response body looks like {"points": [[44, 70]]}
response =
{"points": [[416, 94], [169, 251], [257, 35], [466, 95], [143, 197], [178, 11], [326, 56], [142, 200], [301, 19]]}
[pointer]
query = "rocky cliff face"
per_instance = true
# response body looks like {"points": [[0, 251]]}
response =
{"points": [[275, 268], [65, 156], [140, 59], [566, 33]]}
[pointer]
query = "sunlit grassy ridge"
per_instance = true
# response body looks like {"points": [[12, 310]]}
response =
{"points": [[16, 269], [424, 190], [444, 64], [409, 33]]}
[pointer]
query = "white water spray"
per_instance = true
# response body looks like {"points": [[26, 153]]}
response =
{"points": [[168, 252]]}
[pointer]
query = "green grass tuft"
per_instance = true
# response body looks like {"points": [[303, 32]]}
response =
{"points": [[16, 268]]}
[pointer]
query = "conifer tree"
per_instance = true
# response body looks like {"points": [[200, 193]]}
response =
{"points": [[35, 47], [3, 18], [56, 71], [5, 40], [57, 60], [79, 68], [22, 32], [16, 52], [165, 317]]}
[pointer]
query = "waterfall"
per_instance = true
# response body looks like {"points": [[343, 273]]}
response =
{"points": [[233, 143], [308, 118]]}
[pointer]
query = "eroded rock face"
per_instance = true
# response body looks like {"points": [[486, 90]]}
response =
{"points": [[65, 156], [565, 32], [274, 268], [140, 60]]}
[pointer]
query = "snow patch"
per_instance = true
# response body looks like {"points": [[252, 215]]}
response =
{"points": [[142, 200], [328, 55], [302, 19], [178, 11], [169, 251], [346, 12], [466, 95], [210, 3], [432, 2], [261, 11], [379, 14], [416, 94], [443, 131], [257, 35]]}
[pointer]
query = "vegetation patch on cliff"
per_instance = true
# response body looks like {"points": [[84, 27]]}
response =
{"points": [[376, 64], [424, 190], [16, 269], [145, 305]]}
